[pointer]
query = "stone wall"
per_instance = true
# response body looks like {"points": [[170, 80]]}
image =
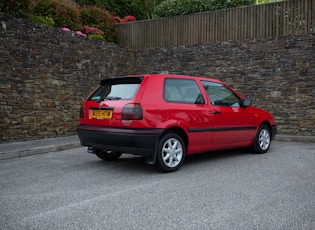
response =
{"points": [[277, 74], [46, 73]]}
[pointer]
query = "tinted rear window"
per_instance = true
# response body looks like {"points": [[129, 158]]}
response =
{"points": [[117, 89]]}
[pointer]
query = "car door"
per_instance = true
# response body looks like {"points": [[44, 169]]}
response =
{"points": [[186, 105], [232, 123]]}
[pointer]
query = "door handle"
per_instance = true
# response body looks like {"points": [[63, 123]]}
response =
{"points": [[216, 112]]}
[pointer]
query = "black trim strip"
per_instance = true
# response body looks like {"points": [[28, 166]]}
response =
{"points": [[120, 130], [194, 130], [159, 131]]}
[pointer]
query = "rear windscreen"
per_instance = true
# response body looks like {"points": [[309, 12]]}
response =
{"points": [[117, 89]]}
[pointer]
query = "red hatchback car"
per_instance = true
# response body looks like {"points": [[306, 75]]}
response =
{"points": [[165, 117]]}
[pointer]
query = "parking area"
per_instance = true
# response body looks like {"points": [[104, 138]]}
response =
{"points": [[234, 189]]}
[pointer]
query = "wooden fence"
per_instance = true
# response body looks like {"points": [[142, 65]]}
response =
{"points": [[294, 17]]}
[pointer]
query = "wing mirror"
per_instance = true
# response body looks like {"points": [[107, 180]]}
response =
{"points": [[246, 103]]}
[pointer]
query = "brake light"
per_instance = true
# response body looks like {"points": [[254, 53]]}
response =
{"points": [[132, 111]]}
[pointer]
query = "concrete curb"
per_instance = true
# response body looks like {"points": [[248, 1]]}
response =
{"points": [[28, 148], [295, 138]]}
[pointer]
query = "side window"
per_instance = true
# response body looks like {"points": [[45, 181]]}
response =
{"points": [[220, 95], [182, 91]]}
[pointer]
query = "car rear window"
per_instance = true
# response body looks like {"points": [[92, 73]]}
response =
{"points": [[117, 89]]}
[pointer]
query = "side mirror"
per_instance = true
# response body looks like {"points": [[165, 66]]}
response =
{"points": [[246, 103]]}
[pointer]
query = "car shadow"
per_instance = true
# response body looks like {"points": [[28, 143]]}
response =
{"points": [[215, 155], [126, 163], [132, 163]]}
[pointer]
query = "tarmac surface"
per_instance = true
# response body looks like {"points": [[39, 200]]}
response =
{"points": [[33, 147], [226, 190]]}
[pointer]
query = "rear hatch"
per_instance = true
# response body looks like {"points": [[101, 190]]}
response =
{"points": [[115, 103]]}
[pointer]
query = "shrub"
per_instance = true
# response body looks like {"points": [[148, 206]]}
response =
{"points": [[91, 30], [128, 19], [18, 8], [43, 19], [64, 14], [96, 36], [99, 17]]}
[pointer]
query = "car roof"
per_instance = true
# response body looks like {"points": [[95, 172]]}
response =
{"points": [[162, 75], [181, 76]]}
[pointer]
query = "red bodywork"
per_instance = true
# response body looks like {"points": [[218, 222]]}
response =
{"points": [[204, 127]]}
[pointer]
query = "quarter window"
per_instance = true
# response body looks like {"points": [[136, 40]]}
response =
{"points": [[182, 91], [220, 95]]}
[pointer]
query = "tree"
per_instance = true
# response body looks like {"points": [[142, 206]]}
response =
{"points": [[267, 1], [120, 8], [146, 7], [169, 8]]}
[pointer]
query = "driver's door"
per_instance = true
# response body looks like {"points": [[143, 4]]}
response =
{"points": [[232, 123]]}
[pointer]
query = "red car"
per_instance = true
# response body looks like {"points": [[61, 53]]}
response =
{"points": [[165, 117]]}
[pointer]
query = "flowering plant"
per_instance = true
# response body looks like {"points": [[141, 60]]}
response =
{"points": [[91, 30], [80, 33], [77, 32], [83, 20], [98, 17], [128, 18]]}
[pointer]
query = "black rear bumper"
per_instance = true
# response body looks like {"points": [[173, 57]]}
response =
{"points": [[132, 141]]}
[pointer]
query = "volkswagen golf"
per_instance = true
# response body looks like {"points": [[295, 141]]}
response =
{"points": [[166, 117]]}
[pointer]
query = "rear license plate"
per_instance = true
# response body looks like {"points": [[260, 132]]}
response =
{"points": [[102, 114]]}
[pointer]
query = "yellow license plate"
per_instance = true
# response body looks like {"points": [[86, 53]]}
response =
{"points": [[102, 114]]}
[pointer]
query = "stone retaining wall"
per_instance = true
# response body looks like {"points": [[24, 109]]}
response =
{"points": [[277, 74], [46, 73]]}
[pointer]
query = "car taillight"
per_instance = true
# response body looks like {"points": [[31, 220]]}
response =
{"points": [[132, 111], [81, 112]]}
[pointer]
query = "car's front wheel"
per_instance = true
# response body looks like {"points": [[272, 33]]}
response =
{"points": [[262, 140], [171, 152], [107, 155]]}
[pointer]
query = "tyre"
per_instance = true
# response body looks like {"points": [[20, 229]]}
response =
{"points": [[107, 155], [262, 140], [171, 153]]}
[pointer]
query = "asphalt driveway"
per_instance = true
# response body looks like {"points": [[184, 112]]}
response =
{"points": [[72, 189]]}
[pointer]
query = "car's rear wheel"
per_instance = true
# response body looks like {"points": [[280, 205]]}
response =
{"points": [[107, 155], [171, 152], [262, 140]]}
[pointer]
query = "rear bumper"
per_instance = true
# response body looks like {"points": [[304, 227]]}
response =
{"points": [[132, 141]]}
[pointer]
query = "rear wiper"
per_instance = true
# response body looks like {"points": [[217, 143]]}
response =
{"points": [[108, 98]]}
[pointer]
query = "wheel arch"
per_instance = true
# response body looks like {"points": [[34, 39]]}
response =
{"points": [[178, 130], [165, 162], [268, 125], [173, 129]]}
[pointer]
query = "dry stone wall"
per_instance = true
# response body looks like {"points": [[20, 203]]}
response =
{"points": [[46, 73], [277, 74]]}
